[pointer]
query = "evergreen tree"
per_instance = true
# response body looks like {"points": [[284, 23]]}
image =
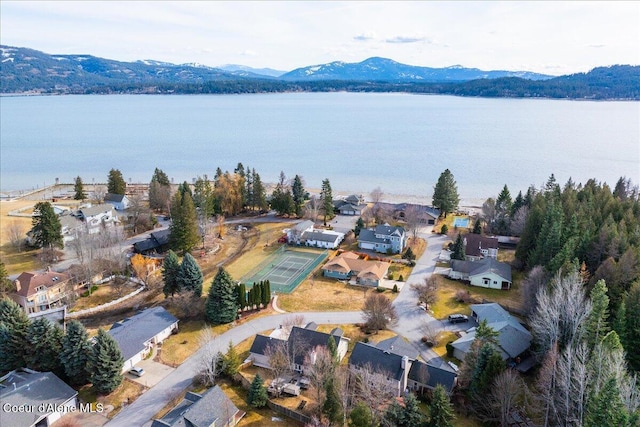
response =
{"points": [[257, 393], [297, 192], [44, 344], [258, 293], [76, 353], [333, 349], [440, 409], [241, 293], [332, 408], [259, 196], [488, 365], [477, 227], [407, 416], [116, 183], [106, 363], [445, 193], [326, 200], [183, 231], [631, 336], [231, 361], [486, 334], [409, 255], [159, 190], [221, 306], [265, 293], [78, 188], [13, 335], [359, 226], [170, 272], [360, 416], [190, 276], [606, 408], [457, 251], [596, 326], [46, 228]]}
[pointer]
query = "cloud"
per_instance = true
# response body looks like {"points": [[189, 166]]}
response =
{"points": [[248, 53], [407, 39], [363, 37], [595, 45]]}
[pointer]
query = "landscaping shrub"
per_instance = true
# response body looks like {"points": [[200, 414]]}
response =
{"points": [[390, 276], [444, 229], [463, 296], [395, 288], [380, 290], [401, 278], [450, 349]]}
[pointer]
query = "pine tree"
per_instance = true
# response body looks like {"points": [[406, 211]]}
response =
{"points": [[332, 408], [116, 183], [631, 336], [183, 231], [266, 293], [231, 361], [190, 276], [44, 344], [13, 335], [607, 408], [106, 363], [440, 409], [297, 192], [159, 190], [241, 293], [407, 416], [170, 272], [257, 393], [259, 195], [457, 251], [445, 193], [360, 416], [76, 353], [326, 200], [359, 226], [221, 306], [477, 227], [333, 349], [46, 228], [596, 325], [257, 293], [78, 188]]}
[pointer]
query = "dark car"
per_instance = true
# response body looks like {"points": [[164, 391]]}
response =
{"points": [[458, 318]]}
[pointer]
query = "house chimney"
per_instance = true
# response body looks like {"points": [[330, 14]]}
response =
{"points": [[18, 286], [405, 362]]}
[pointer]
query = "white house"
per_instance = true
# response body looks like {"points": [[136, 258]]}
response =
{"points": [[327, 239], [137, 335], [46, 397], [485, 273], [294, 234], [119, 202], [97, 215]]}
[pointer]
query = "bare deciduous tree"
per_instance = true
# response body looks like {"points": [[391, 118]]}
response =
{"points": [[15, 231], [536, 279], [312, 208], [319, 368], [508, 393], [412, 219], [519, 220], [379, 312], [208, 359], [98, 193], [371, 387], [427, 291], [277, 352]]}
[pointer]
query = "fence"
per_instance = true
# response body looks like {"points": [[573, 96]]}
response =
{"points": [[110, 303]]}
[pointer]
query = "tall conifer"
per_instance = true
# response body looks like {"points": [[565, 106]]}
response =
{"points": [[221, 306], [106, 363], [76, 353]]}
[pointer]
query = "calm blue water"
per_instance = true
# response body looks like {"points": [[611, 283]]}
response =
{"points": [[399, 142]]}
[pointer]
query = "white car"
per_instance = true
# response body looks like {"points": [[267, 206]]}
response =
{"points": [[138, 372]]}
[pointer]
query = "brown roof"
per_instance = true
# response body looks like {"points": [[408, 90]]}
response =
{"points": [[475, 242], [348, 261], [29, 282]]}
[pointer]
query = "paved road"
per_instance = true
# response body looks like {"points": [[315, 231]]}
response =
{"points": [[411, 318], [139, 413]]}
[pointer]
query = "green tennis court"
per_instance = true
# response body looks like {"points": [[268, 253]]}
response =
{"points": [[285, 269]]}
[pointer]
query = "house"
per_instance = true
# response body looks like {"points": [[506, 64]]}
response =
{"points": [[348, 265], [37, 292], [426, 215], [350, 209], [211, 409], [157, 242], [390, 362], [294, 234], [71, 226], [513, 339], [383, 239], [137, 335], [301, 344], [119, 202], [478, 247], [43, 397], [486, 273], [326, 239], [97, 215]]}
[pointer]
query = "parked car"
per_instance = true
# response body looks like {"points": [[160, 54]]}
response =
{"points": [[138, 372], [458, 318]]}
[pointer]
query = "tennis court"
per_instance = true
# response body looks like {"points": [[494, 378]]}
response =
{"points": [[285, 269]]}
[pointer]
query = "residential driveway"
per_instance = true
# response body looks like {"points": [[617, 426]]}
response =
{"points": [[344, 223], [139, 413], [411, 318], [154, 372]]}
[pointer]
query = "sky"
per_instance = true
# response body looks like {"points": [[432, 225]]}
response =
{"points": [[547, 37]]}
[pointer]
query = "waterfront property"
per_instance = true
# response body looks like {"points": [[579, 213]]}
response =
{"points": [[426, 215], [486, 273], [44, 397], [137, 335], [384, 239], [348, 265]]}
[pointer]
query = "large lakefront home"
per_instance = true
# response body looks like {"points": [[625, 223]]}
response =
{"points": [[383, 239]]}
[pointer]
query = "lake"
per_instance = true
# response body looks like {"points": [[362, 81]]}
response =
{"points": [[399, 142]]}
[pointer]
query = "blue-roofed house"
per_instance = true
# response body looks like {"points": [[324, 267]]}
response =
{"points": [[137, 335], [211, 409], [383, 239]]}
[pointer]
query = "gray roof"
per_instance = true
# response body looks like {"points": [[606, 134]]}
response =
{"points": [[262, 342], [388, 230], [301, 226], [303, 340], [431, 376], [474, 243], [474, 268], [131, 334], [96, 209], [398, 345], [31, 388], [402, 207], [367, 235], [351, 207], [197, 410], [155, 241], [320, 236], [380, 361], [115, 198]]}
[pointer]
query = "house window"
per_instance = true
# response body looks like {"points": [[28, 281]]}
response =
{"points": [[486, 281]]}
